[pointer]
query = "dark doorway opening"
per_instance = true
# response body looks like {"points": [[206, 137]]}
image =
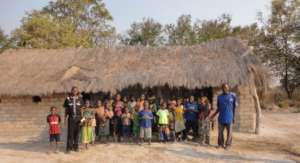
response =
{"points": [[166, 92]]}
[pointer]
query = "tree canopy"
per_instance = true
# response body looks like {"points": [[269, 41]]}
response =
{"points": [[87, 23], [207, 30], [3, 38], [278, 42], [148, 32], [181, 33], [66, 23]]}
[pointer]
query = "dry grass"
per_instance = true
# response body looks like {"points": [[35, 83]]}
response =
{"points": [[44, 72]]}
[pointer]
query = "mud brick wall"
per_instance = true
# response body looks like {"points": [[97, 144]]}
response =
{"points": [[245, 114], [21, 117], [247, 111]]}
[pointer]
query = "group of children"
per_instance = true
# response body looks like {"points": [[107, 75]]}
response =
{"points": [[134, 120]]}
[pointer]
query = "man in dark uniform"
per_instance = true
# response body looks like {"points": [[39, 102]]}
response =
{"points": [[72, 106]]}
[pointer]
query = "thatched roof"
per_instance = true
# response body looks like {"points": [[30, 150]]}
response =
{"points": [[44, 72]]}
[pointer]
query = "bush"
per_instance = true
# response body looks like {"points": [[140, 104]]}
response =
{"points": [[279, 97], [284, 104], [273, 96], [297, 94]]}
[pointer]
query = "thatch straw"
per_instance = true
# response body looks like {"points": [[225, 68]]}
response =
{"points": [[44, 72]]}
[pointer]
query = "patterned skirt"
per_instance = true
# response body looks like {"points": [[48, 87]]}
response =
{"points": [[87, 134], [103, 129]]}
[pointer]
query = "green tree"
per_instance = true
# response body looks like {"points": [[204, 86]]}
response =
{"points": [[248, 32], [3, 39], [40, 30], [66, 23], [90, 16], [181, 33], [278, 43], [148, 32], [187, 33], [208, 30]]}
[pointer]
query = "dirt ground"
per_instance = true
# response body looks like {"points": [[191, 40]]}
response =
{"points": [[279, 142]]}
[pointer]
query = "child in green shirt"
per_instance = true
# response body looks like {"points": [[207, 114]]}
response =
{"points": [[163, 122]]}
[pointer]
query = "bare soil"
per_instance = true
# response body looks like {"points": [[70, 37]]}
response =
{"points": [[279, 142]]}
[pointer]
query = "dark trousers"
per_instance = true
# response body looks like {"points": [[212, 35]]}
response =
{"points": [[191, 125], [116, 128], [97, 127], [73, 134], [228, 128]]}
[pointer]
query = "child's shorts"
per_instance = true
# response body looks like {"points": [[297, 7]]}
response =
{"points": [[54, 137], [146, 132], [163, 126], [126, 131]]}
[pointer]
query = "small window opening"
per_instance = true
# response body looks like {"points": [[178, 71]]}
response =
{"points": [[36, 99]]}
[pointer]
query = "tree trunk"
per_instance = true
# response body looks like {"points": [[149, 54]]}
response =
{"points": [[286, 80], [289, 94], [258, 112]]}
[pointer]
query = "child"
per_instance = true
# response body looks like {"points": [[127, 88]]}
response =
{"points": [[94, 124], [104, 122], [110, 101], [153, 108], [116, 121], [99, 113], [163, 122], [126, 123], [135, 123], [54, 120], [152, 104], [87, 134], [125, 100], [131, 104], [204, 121], [146, 117], [172, 106], [179, 120], [142, 101], [191, 118], [108, 115]]}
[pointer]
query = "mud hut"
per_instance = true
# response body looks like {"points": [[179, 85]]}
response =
{"points": [[34, 79]]}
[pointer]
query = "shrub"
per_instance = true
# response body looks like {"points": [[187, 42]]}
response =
{"points": [[284, 104]]}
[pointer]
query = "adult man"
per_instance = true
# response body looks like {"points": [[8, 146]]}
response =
{"points": [[191, 117], [226, 108], [72, 106]]}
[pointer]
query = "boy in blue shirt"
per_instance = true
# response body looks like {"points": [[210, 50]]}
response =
{"points": [[226, 108], [191, 110], [146, 118]]}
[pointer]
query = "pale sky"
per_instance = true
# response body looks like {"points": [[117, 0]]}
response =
{"points": [[126, 12]]}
